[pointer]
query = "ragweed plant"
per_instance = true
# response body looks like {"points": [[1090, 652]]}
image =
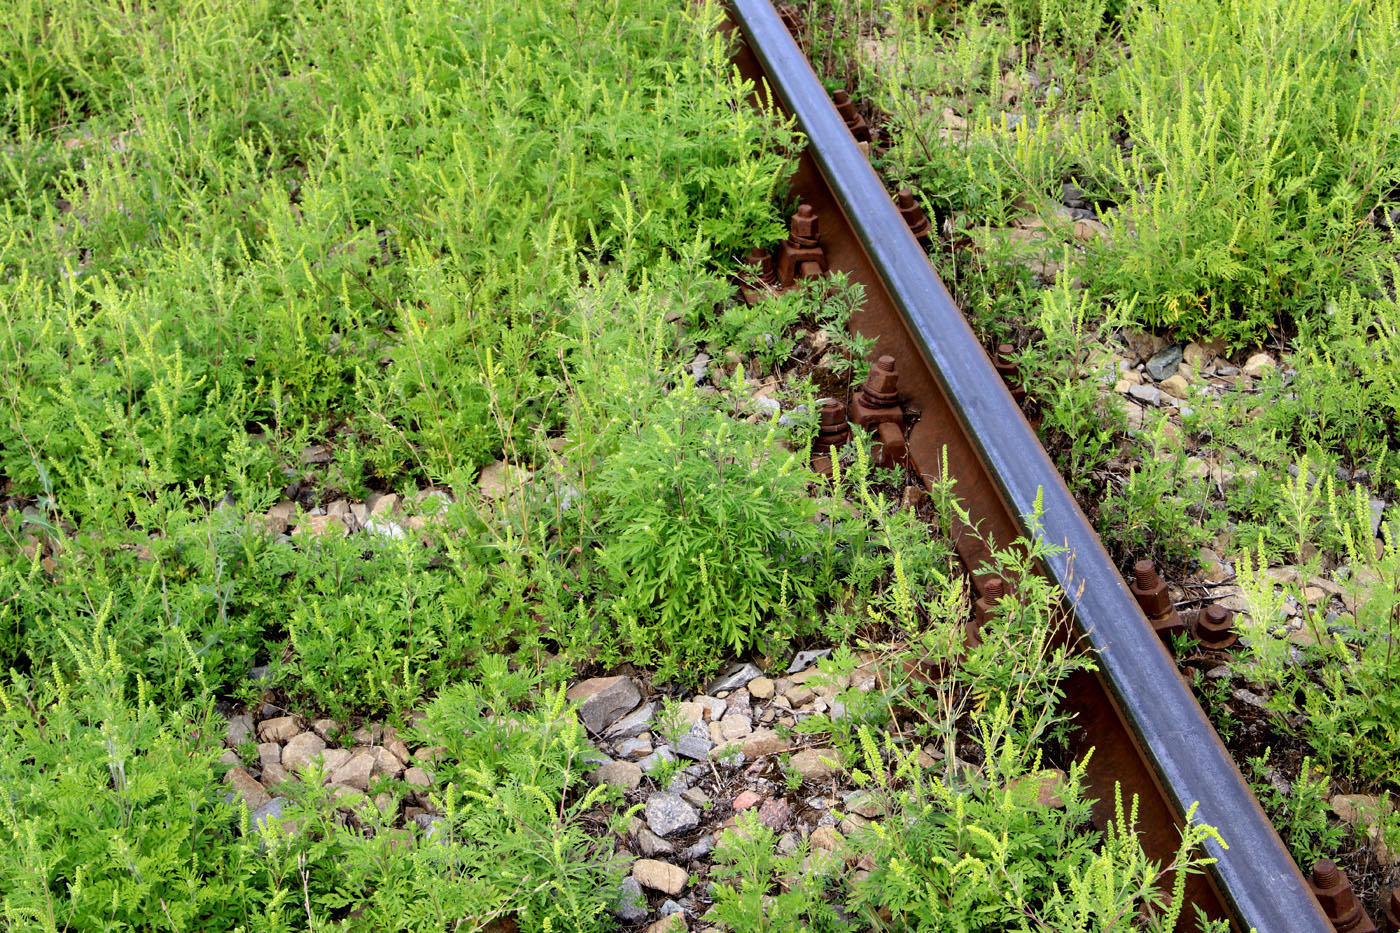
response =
{"points": [[710, 534]]}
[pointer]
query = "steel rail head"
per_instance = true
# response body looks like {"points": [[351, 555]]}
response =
{"points": [[1255, 875]]}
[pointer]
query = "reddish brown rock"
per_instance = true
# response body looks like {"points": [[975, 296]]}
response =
{"points": [[253, 794], [775, 812], [746, 800]]}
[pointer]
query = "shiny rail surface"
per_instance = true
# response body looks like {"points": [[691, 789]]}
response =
{"points": [[1148, 733]]}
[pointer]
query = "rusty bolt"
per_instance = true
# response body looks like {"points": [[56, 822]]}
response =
{"points": [[803, 230], [847, 108], [844, 105], [992, 593], [761, 278], [760, 263], [1151, 592], [877, 401], [994, 590], [913, 214], [881, 386], [1214, 629], [1339, 903], [1149, 589], [799, 257], [1010, 373], [833, 430], [1392, 911]]}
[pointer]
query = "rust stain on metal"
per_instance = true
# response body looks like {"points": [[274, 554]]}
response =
{"points": [[877, 406], [993, 592], [878, 399]]}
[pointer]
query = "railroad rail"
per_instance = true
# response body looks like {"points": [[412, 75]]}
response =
{"points": [[1148, 733]]}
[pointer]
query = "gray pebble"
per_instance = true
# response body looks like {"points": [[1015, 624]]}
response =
{"points": [[667, 813], [696, 743], [651, 845], [805, 659], [1149, 394], [631, 905], [633, 748], [1165, 362], [1253, 699], [272, 810], [240, 729], [633, 724], [702, 847], [735, 677], [653, 761]]}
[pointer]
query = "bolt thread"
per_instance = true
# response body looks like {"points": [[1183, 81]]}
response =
{"points": [[1325, 873], [1145, 574], [996, 588]]}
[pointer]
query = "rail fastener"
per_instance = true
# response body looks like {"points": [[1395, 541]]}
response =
{"points": [[1333, 890], [1215, 627], [914, 217], [1151, 592]]}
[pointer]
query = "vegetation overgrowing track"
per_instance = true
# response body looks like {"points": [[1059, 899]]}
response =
{"points": [[411, 510], [1148, 733]]}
